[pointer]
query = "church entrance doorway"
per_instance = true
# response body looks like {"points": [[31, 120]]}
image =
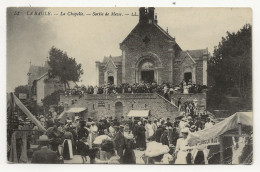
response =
{"points": [[187, 77], [110, 80], [118, 110], [147, 76]]}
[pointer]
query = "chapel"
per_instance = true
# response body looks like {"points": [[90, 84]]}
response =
{"points": [[151, 54]]}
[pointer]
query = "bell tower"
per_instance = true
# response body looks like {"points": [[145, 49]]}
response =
{"points": [[146, 15]]}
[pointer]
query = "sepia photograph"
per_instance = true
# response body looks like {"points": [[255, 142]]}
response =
{"points": [[129, 85]]}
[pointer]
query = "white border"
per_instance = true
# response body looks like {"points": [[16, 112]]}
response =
{"points": [[254, 4]]}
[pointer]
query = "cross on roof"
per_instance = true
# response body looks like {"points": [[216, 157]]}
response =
{"points": [[146, 40]]}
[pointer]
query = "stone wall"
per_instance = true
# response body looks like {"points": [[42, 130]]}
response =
{"points": [[158, 45], [100, 105]]}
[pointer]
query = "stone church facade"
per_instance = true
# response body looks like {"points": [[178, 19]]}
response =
{"points": [[150, 54]]}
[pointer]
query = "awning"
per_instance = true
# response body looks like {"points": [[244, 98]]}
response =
{"points": [[75, 110], [232, 122], [138, 113], [71, 110]]}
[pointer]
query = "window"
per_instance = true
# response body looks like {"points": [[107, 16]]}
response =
{"points": [[93, 106], [132, 106], [108, 106]]}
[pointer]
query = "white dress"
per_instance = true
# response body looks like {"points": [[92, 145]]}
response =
{"points": [[185, 90], [149, 129], [181, 147]]}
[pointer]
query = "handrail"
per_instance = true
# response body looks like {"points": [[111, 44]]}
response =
{"points": [[167, 100]]}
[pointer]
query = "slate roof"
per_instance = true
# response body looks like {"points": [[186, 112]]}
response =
{"points": [[195, 54], [36, 72], [115, 59]]}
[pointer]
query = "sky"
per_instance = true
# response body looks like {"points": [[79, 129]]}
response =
{"points": [[89, 38]]}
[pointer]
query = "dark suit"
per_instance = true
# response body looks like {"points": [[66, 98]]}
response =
{"points": [[120, 144], [45, 156]]}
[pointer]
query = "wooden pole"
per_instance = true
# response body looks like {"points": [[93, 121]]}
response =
{"points": [[239, 129], [221, 149]]}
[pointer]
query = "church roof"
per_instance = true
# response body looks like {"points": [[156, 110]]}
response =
{"points": [[195, 54], [36, 72], [152, 24], [115, 59]]}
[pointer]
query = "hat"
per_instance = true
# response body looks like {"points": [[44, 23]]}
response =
{"points": [[185, 130], [121, 126], [76, 117], [184, 119], [189, 117], [43, 138], [193, 128], [139, 123], [84, 139]]}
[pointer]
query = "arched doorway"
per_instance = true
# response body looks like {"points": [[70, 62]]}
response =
{"points": [[110, 80], [118, 110], [147, 72], [187, 77]]}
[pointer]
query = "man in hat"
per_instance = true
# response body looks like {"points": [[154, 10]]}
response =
{"points": [[198, 123], [119, 142], [190, 121], [164, 138], [44, 155], [168, 123], [159, 133]]}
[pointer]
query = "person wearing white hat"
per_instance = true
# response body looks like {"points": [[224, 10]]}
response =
{"points": [[182, 123], [182, 147]]}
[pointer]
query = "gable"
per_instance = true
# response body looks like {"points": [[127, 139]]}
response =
{"points": [[110, 65], [143, 32], [188, 60]]}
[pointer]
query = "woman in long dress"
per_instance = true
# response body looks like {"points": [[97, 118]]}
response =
{"points": [[149, 129], [67, 145], [140, 136], [182, 147]]}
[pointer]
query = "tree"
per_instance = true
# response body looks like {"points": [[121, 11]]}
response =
{"points": [[52, 99], [21, 89], [66, 68], [231, 65]]}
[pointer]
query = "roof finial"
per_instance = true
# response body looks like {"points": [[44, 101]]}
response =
{"points": [[30, 62], [155, 18], [167, 30]]}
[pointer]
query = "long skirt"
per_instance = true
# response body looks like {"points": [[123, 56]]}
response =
{"points": [[129, 157], [67, 149], [181, 157]]}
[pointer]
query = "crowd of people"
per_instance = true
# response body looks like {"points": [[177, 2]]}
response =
{"points": [[142, 87], [120, 138]]}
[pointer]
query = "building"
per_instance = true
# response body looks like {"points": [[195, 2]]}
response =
{"points": [[41, 84], [150, 54]]}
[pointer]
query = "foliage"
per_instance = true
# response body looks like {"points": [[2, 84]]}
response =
{"points": [[231, 65], [52, 99], [21, 89], [66, 68]]}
